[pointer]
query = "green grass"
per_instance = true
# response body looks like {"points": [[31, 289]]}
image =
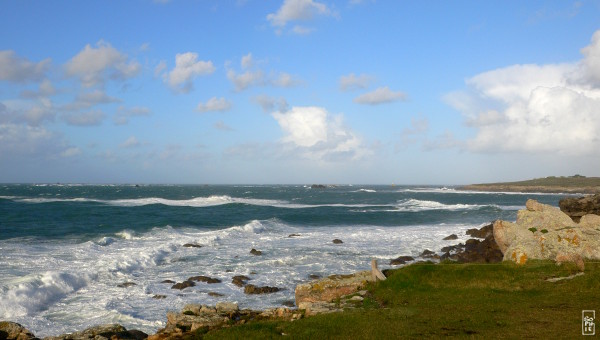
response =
{"points": [[459, 300]]}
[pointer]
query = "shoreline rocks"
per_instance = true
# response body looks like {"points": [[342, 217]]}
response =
{"points": [[576, 208]]}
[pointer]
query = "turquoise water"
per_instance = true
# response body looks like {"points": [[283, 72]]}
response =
{"points": [[64, 249]]}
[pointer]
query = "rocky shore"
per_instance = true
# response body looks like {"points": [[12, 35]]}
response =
{"points": [[568, 234]]}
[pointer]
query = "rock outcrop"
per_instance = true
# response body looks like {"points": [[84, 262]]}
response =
{"points": [[330, 288], [14, 331], [111, 331], [578, 207], [545, 232]]}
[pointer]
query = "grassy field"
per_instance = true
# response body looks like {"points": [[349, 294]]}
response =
{"points": [[458, 300], [576, 183]]}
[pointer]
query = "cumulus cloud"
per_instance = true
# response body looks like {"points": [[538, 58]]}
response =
{"points": [[32, 115], [30, 142], [214, 104], [270, 104], [353, 82], [123, 114], [86, 100], [297, 10], [254, 76], [187, 67], [380, 96], [313, 133], [89, 118], [20, 70], [130, 142], [94, 65], [551, 108], [45, 89]]}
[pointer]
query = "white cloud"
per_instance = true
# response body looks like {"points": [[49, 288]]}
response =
{"points": [[86, 100], [123, 114], [284, 80], [301, 30], [314, 134], [19, 70], [297, 10], [247, 61], [353, 82], [535, 109], [380, 96], [220, 125], [71, 152], [29, 142], [130, 142], [253, 76], [214, 104], [94, 65], [246, 79], [45, 89], [270, 104], [187, 67], [90, 118]]}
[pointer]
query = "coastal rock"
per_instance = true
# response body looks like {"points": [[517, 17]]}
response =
{"points": [[192, 245], [479, 251], [337, 241], [183, 285], [401, 260], [227, 307], [255, 252], [578, 207], [126, 284], [159, 296], [14, 331], [428, 254], [332, 287], [240, 280], [167, 281], [202, 278], [111, 331], [252, 289], [215, 294], [294, 235], [482, 232], [450, 237], [545, 232]]}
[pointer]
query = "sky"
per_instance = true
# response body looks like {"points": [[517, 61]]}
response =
{"points": [[298, 91]]}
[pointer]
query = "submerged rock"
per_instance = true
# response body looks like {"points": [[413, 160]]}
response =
{"points": [[183, 285], [202, 278], [192, 245], [450, 237], [255, 252], [252, 289], [126, 284], [240, 280], [337, 241]]}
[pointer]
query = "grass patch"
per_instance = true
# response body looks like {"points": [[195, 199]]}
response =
{"points": [[459, 300]]}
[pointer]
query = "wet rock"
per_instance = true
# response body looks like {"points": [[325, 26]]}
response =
{"points": [[202, 278], [215, 294], [240, 280], [288, 303], [450, 237], [159, 296], [318, 186], [192, 245], [428, 254], [401, 260], [578, 207], [126, 284], [14, 331], [168, 281], [294, 235], [112, 331], [183, 285], [337, 241], [482, 232], [314, 276], [252, 289], [255, 252]]}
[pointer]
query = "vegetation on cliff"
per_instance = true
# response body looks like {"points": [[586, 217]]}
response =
{"points": [[552, 184]]}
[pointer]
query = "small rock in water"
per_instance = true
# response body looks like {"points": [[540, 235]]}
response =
{"points": [[451, 237], [183, 285], [202, 278], [401, 260], [427, 253], [240, 280], [168, 281], [293, 235], [126, 284], [337, 241], [252, 289], [314, 276], [215, 294], [255, 252], [192, 245], [159, 296]]}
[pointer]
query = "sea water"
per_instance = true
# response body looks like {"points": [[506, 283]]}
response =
{"points": [[65, 249]]}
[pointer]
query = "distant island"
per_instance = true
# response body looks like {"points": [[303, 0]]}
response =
{"points": [[552, 184]]}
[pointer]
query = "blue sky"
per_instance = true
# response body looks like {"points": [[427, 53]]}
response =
{"points": [[298, 91]]}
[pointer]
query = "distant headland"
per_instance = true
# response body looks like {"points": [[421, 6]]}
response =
{"points": [[552, 184]]}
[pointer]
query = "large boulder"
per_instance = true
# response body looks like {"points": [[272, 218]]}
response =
{"points": [[14, 331], [332, 287], [578, 207], [545, 232]]}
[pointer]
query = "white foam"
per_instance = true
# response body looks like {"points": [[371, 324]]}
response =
{"points": [[422, 205]]}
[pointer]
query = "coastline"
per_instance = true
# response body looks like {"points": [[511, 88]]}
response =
{"points": [[552, 185]]}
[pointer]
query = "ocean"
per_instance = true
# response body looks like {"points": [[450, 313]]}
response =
{"points": [[65, 249]]}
